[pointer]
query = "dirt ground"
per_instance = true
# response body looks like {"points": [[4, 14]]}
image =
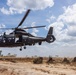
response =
{"points": [[28, 68]]}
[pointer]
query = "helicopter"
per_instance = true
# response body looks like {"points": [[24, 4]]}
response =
{"points": [[19, 37]]}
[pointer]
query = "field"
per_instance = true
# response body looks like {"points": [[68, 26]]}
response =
{"points": [[25, 66]]}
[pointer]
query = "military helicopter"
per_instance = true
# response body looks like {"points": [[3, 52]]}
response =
{"points": [[19, 37]]}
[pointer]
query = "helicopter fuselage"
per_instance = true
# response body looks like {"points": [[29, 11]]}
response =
{"points": [[13, 41]]}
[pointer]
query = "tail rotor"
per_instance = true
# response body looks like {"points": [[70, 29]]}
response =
{"points": [[50, 37]]}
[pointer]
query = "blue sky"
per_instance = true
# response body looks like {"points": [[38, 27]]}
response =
{"points": [[60, 14]]}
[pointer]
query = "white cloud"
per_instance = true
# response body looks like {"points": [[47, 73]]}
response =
{"points": [[72, 31], [59, 33], [3, 29], [51, 19], [19, 6], [34, 30], [5, 11], [69, 15], [2, 26], [8, 31], [69, 18], [65, 26]]}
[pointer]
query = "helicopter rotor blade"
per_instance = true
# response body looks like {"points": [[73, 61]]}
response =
{"points": [[7, 28], [25, 27], [34, 27], [26, 14]]}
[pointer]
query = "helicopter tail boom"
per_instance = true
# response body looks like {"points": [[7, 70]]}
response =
{"points": [[50, 37]]}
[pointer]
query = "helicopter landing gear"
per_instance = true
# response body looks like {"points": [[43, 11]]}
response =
{"points": [[24, 47], [40, 43], [21, 49]]}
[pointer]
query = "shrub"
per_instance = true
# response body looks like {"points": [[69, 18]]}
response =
{"points": [[65, 60], [50, 60], [38, 60], [74, 60]]}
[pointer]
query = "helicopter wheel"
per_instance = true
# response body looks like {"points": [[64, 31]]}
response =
{"points": [[21, 49], [24, 47]]}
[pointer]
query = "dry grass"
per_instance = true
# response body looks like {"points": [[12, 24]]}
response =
{"points": [[45, 59], [25, 66]]}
